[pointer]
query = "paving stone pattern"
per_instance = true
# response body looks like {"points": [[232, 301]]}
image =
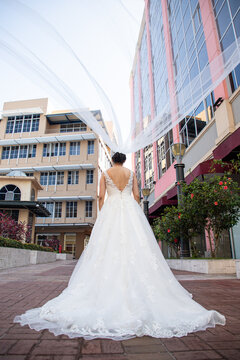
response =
{"points": [[31, 286]]}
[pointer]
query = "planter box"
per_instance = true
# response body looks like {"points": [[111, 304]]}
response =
{"points": [[13, 257], [64, 256], [205, 266], [41, 257], [238, 268]]}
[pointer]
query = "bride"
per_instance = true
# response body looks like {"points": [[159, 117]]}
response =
{"points": [[121, 286]]}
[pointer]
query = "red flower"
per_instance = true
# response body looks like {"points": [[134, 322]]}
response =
{"points": [[220, 183], [179, 216], [175, 240], [215, 203], [192, 195], [178, 183], [225, 187], [168, 230]]}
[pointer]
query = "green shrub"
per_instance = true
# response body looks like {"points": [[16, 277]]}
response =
{"points": [[5, 242]]}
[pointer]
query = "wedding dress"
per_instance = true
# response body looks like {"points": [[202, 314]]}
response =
{"points": [[121, 286]]}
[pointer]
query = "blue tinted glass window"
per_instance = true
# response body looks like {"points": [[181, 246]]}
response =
{"points": [[187, 18], [234, 6], [194, 70], [193, 4], [236, 22], [223, 20], [189, 37], [184, 5], [228, 38], [203, 57]]}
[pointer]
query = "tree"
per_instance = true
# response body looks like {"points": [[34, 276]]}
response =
{"points": [[9, 228], [213, 204]]}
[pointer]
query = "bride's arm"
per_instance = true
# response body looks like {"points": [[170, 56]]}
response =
{"points": [[135, 189], [102, 191]]}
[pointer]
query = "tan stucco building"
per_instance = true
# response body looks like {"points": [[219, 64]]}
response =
{"points": [[66, 157]]}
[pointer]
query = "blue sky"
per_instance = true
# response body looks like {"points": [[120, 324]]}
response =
{"points": [[103, 33]]}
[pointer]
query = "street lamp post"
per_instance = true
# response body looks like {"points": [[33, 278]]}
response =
{"points": [[146, 192], [178, 150]]}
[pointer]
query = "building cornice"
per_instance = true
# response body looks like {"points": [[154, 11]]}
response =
{"points": [[49, 168], [47, 139], [65, 198]]}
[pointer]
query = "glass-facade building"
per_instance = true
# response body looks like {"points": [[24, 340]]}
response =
{"points": [[177, 39]]}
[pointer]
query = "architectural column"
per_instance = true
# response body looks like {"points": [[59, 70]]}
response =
{"points": [[140, 114], [169, 58], [132, 115], [79, 244], [151, 85], [212, 41]]}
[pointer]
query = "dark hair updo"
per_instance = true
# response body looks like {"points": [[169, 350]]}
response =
{"points": [[119, 158]]}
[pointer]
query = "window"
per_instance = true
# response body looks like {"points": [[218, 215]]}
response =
{"points": [[90, 147], [18, 125], [75, 148], [10, 125], [5, 152], [164, 153], [197, 19], [60, 177], [49, 206], [13, 213], [54, 149], [18, 152], [10, 192], [227, 14], [14, 152], [35, 124], [62, 150], [23, 151], [73, 177], [58, 210], [52, 178], [43, 178], [73, 127], [26, 123], [46, 150], [89, 179], [32, 151], [71, 209], [88, 209]]}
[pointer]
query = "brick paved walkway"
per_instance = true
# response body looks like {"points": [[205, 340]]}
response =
{"points": [[31, 286]]}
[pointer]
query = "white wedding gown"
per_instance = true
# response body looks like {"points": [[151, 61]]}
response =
{"points": [[121, 286]]}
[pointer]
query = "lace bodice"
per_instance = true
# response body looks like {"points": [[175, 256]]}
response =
{"points": [[112, 189]]}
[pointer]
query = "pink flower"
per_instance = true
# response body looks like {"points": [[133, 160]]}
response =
{"points": [[168, 230], [192, 195], [225, 187], [220, 183], [215, 203]]}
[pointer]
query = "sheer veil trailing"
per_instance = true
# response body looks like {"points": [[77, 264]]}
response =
{"points": [[48, 61]]}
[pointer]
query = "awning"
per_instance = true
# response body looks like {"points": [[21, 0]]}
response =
{"points": [[34, 206], [228, 145]]}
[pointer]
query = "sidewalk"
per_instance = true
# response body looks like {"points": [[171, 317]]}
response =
{"points": [[31, 286]]}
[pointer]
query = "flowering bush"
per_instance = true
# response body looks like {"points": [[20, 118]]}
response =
{"points": [[9, 228], [213, 205]]}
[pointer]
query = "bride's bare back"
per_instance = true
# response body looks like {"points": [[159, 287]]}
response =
{"points": [[120, 176]]}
